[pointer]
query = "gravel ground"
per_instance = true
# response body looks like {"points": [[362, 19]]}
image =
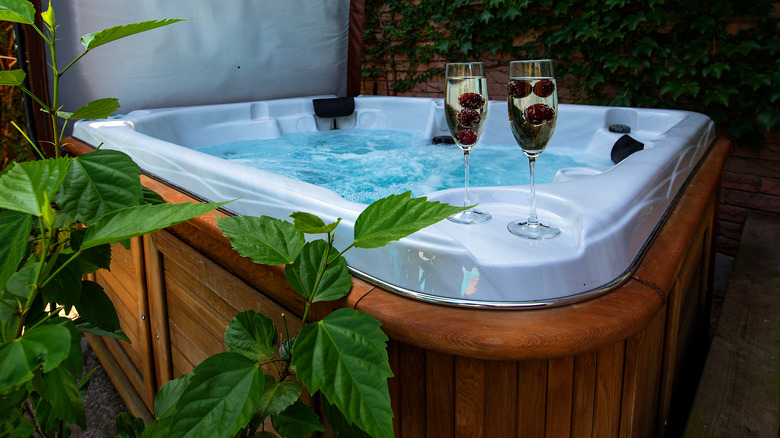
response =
{"points": [[102, 402]]}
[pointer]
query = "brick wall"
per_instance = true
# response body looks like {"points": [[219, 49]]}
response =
{"points": [[751, 178]]}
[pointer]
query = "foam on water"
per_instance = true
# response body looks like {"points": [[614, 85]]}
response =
{"points": [[366, 165]]}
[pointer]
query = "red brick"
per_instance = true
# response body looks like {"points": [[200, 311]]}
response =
{"points": [[755, 201], [750, 166], [770, 186], [726, 246], [730, 230], [745, 151], [770, 151], [740, 181], [732, 213]]}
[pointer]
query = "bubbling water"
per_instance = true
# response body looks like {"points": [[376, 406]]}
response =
{"points": [[365, 165]]}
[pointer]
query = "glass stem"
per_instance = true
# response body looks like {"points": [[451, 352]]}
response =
{"points": [[466, 201], [532, 219]]}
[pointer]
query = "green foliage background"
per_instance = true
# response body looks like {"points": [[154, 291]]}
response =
{"points": [[719, 57]]}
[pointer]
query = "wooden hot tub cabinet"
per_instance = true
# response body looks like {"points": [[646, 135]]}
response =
{"points": [[610, 366]]}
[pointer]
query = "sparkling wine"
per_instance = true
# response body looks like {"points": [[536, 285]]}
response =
{"points": [[533, 108], [466, 108]]}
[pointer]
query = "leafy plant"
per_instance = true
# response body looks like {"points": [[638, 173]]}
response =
{"points": [[343, 357], [59, 218], [714, 57]]}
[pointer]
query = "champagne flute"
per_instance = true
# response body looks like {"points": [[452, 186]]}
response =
{"points": [[465, 108], [533, 110]]}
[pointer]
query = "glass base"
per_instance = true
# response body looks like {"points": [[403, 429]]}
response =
{"points": [[535, 231], [468, 217]]}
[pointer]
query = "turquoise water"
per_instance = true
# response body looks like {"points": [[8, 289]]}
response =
{"points": [[366, 165]]}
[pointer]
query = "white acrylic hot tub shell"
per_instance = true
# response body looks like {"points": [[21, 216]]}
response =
{"points": [[606, 215]]}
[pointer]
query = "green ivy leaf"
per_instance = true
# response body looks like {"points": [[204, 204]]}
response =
{"points": [[220, 398], [144, 219], [98, 183], [297, 421], [263, 239], [396, 217], [311, 224], [12, 77], [253, 335], [17, 11], [768, 118], [29, 185], [15, 230], [303, 275], [96, 39], [97, 314], [344, 355], [44, 346]]}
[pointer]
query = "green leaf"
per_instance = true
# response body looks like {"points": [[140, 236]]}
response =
{"points": [[8, 320], [297, 421], [12, 77], [15, 230], [344, 355], [220, 398], [48, 16], [149, 196], [311, 224], [136, 221], [65, 287], [62, 393], [312, 279], [128, 426], [168, 396], [253, 335], [263, 239], [98, 183], [768, 118], [97, 109], [96, 311], [396, 217], [277, 396], [22, 283], [339, 423], [29, 185], [45, 346], [17, 11], [105, 36]]}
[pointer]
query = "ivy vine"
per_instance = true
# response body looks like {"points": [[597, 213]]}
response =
{"points": [[718, 57]]}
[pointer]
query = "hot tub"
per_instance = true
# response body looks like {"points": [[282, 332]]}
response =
{"points": [[607, 214]]}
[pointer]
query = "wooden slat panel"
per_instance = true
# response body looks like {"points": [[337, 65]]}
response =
{"points": [[584, 395], [158, 312], [470, 396], [393, 384], [560, 378], [125, 309], [187, 349], [532, 398], [126, 364], [609, 383], [411, 364], [180, 364], [501, 399], [188, 301], [641, 381], [223, 284], [440, 394], [181, 314]]}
